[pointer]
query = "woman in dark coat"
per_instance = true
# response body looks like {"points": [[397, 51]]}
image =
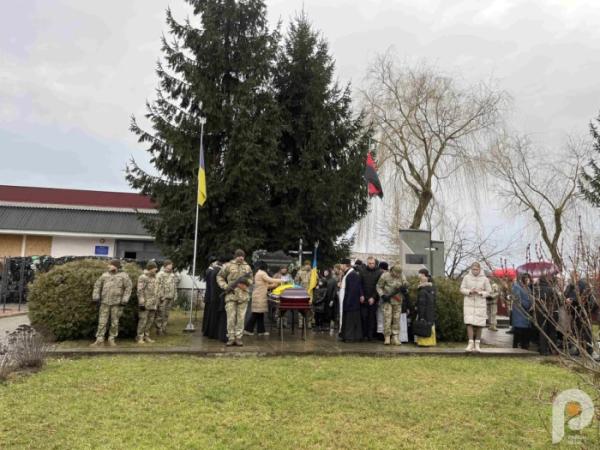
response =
{"points": [[546, 313], [320, 303], [350, 293], [425, 306], [521, 310], [331, 298]]}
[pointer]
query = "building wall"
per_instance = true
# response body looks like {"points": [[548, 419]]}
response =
{"points": [[140, 250], [76, 246], [10, 244], [38, 245]]}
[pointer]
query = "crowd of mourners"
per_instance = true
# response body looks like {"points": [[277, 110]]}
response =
{"points": [[555, 313], [356, 302]]}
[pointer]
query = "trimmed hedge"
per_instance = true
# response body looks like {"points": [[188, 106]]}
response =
{"points": [[449, 324], [60, 301]]}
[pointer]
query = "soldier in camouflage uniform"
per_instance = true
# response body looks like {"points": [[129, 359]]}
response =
{"points": [[112, 290], [390, 288], [166, 286], [235, 278], [303, 279], [492, 306], [148, 302]]}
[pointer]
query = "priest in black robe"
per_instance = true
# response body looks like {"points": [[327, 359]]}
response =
{"points": [[350, 293], [208, 294], [216, 321]]}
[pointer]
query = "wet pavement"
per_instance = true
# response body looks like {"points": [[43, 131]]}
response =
{"points": [[321, 344]]}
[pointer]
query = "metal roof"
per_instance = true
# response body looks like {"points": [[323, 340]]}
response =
{"points": [[74, 197], [70, 221]]}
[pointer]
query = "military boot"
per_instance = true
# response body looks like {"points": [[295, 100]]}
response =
{"points": [[148, 340], [139, 340], [396, 340], [239, 342], [386, 341], [98, 342], [111, 342], [230, 342]]}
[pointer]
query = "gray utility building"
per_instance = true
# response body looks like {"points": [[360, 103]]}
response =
{"points": [[38, 221], [419, 250]]}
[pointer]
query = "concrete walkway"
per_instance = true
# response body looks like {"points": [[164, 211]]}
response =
{"points": [[320, 344], [10, 323]]}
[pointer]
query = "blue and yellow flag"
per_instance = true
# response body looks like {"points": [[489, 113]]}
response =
{"points": [[201, 179], [314, 275]]}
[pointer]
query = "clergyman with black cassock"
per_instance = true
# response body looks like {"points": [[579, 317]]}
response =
{"points": [[216, 326], [207, 293], [350, 294]]}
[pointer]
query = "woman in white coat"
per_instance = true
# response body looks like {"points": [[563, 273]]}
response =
{"points": [[475, 287]]}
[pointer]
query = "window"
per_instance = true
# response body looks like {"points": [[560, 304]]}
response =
{"points": [[415, 259], [130, 255]]}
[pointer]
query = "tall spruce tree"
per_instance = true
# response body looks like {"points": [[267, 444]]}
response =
{"points": [[322, 150], [226, 64], [590, 180]]}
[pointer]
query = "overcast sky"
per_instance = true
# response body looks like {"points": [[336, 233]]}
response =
{"points": [[72, 72]]}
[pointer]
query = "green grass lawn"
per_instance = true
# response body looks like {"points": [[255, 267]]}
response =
{"points": [[149, 402], [175, 337]]}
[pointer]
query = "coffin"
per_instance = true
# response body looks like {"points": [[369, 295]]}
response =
{"points": [[294, 298]]}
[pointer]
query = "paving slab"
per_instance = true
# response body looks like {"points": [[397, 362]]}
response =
{"points": [[10, 323], [316, 344]]}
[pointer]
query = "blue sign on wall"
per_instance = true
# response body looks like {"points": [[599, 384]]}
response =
{"points": [[101, 250]]}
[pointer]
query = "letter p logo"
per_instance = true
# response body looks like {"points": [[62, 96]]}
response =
{"points": [[577, 406]]}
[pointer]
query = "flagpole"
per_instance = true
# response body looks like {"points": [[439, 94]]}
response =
{"points": [[190, 326]]}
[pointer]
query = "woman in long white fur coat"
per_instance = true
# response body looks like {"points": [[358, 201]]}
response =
{"points": [[475, 287]]}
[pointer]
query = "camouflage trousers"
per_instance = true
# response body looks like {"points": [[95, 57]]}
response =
{"points": [[108, 313], [145, 322], [236, 314], [162, 314], [492, 311], [391, 319]]}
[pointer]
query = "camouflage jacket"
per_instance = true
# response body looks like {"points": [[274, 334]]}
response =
{"points": [[303, 277], [166, 285], [391, 281], [228, 274], [494, 294], [147, 290], [113, 288]]}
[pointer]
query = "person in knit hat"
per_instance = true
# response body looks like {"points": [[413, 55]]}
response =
{"points": [[148, 302], [112, 290]]}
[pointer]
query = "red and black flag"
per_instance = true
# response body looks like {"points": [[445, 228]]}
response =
{"points": [[375, 188]]}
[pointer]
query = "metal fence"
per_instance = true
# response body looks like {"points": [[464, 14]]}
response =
{"points": [[15, 274]]}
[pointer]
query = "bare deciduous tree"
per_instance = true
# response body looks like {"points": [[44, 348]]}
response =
{"points": [[430, 127], [463, 245], [535, 182]]}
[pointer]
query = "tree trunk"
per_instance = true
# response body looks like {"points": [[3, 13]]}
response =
{"points": [[555, 254], [424, 200]]}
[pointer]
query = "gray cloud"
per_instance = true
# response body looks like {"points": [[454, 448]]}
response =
{"points": [[72, 72]]}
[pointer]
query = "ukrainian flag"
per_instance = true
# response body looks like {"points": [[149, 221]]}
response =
{"points": [[314, 276], [201, 179]]}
